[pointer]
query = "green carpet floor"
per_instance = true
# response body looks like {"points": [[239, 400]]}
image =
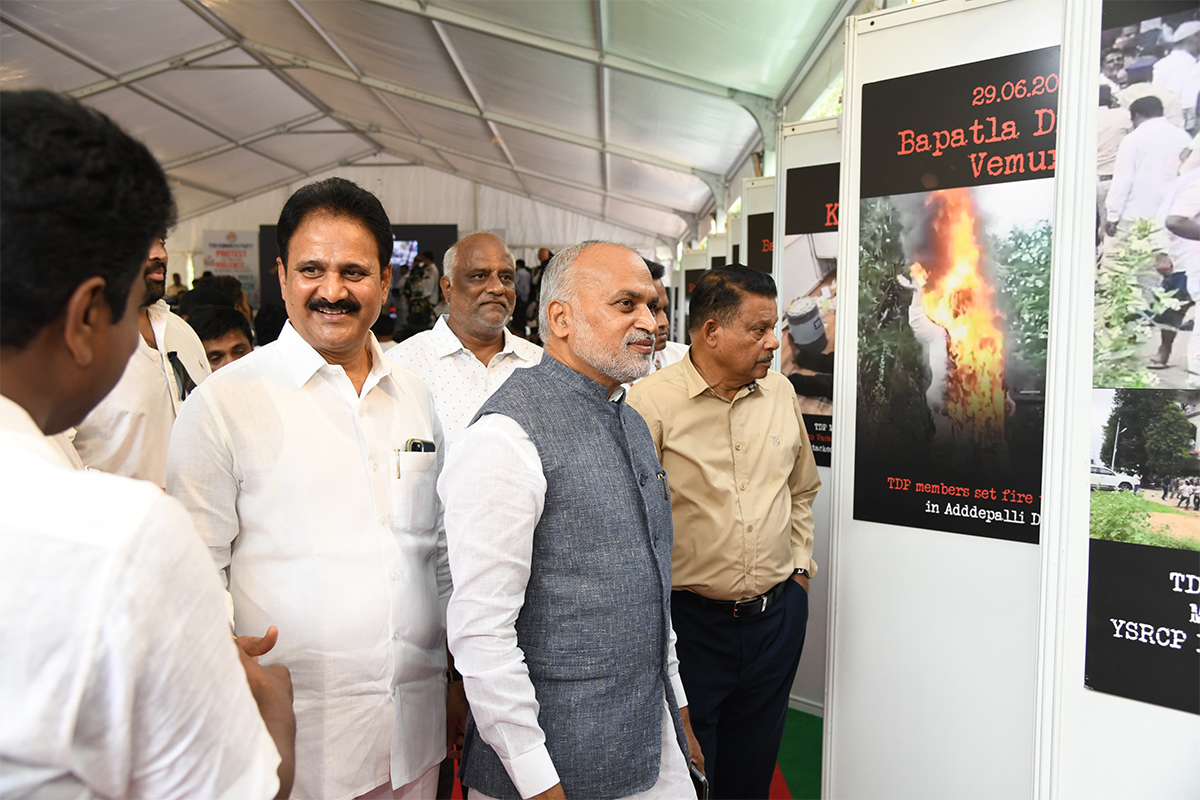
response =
{"points": [[800, 755]]}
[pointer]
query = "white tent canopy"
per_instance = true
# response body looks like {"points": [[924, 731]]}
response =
{"points": [[550, 120]]}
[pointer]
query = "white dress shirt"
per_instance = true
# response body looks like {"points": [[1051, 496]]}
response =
{"points": [[1176, 73], [325, 523], [1147, 163], [129, 431], [673, 352], [117, 674], [459, 381], [494, 490]]}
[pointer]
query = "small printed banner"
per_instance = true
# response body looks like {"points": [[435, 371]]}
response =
{"points": [[234, 253]]}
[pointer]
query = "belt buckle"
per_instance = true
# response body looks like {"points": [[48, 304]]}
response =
{"points": [[762, 607]]}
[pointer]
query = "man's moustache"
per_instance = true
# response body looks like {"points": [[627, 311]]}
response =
{"points": [[349, 306]]}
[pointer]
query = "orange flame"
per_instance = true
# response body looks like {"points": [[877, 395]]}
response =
{"points": [[958, 297]]}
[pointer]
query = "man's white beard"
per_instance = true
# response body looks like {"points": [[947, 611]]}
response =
{"points": [[623, 365]]}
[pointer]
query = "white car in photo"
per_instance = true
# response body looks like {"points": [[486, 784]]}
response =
{"points": [[1105, 479]]}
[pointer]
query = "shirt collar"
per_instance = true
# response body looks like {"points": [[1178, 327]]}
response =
{"points": [[14, 418], [696, 385], [303, 361], [446, 343]]}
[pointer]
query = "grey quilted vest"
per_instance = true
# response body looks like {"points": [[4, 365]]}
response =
{"points": [[597, 608]]}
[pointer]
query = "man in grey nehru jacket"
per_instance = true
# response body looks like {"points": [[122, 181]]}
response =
{"points": [[558, 522]]}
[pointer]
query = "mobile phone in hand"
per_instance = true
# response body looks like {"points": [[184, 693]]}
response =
{"points": [[699, 781]]}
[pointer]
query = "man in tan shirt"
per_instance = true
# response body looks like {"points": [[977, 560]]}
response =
{"points": [[742, 479]]}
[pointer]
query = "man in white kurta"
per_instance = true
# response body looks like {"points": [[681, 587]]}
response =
{"points": [[310, 468], [129, 431]]}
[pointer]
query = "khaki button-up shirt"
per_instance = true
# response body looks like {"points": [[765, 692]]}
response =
{"points": [[742, 480]]}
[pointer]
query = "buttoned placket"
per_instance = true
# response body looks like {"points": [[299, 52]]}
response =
{"points": [[739, 450], [373, 444]]}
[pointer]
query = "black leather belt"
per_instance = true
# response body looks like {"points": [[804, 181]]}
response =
{"points": [[737, 608]]}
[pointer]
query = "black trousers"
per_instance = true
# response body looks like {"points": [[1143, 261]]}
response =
{"points": [[738, 673]]}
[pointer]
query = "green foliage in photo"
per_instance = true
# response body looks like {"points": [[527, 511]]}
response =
{"points": [[1125, 517], [1023, 287], [1124, 308], [892, 374]]}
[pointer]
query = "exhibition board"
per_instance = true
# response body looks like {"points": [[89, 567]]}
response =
{"points": [[934, 613], [1113, 714], [805, 270]]}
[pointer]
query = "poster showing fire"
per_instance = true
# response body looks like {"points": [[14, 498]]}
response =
{"points": [[957, 194], [808, 295], [234, 253], [1143, 617]]}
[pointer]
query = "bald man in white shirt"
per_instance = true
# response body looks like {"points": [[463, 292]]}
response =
{"points": [[470, 352], [118, 677]]}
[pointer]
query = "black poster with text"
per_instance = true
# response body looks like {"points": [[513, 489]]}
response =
{"points": [[808, 297], [954, 276], [760, 247], [1143, 624]]}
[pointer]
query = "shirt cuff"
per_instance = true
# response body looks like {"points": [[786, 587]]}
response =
{"points": [[803, 560], [531, 772], [677, 688]]}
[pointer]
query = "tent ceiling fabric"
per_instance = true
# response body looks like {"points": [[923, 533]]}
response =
{"points": [[627, 112]]}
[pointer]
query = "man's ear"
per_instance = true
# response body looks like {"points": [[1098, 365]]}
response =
{"points": [[86, 316], [709, 331], [385, 278], [281, 270], [560, 318], [444, 282]]}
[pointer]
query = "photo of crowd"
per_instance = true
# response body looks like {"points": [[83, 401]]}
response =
{"points": [[1148, 193]]}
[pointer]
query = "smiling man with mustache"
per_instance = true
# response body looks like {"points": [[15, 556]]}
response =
{"points": [[729, 434], [129, 432], [469, 353], [310, 467]]}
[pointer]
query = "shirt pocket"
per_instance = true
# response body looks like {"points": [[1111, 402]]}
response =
{"points": [[414, 491]]}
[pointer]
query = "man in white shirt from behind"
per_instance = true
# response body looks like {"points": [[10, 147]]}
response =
{"points": [[129, 431], [470, 352], [118, 677], [310, 468], [1147, 163]]}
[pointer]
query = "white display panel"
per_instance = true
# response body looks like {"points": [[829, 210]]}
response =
{"points": [[804, 145], [1090, 744], [933, 639]]}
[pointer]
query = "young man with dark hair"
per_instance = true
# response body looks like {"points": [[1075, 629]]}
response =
{"points": [[729, 433], [117, 674], [309, 468], [224, 332]]}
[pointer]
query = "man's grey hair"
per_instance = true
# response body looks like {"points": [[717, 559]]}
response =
{"points": [[559, 281], [450, 260]]}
